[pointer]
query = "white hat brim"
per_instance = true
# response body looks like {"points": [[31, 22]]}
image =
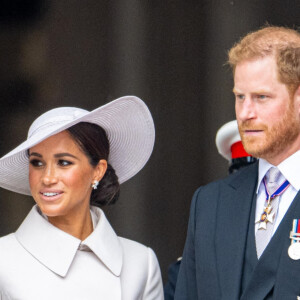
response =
{"points": [[226, 136], [130, 130]]}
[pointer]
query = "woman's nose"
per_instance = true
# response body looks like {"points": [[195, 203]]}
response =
{"points": [[49, 176]]}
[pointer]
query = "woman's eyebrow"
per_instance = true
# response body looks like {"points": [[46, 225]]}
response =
{"points": [[59, 155], [35, 154]]}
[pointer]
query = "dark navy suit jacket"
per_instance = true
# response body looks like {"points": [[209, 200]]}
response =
{"points": [[213, 259], [169, 288]]}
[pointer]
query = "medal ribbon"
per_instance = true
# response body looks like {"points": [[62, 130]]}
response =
{"points": [[278, 192], [264, 219], [295, 233]]}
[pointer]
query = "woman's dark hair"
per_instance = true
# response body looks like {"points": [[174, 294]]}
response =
{"points": [[93, 141]]}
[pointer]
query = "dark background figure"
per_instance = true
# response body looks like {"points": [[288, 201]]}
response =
{"points": [[229, 146], [170, 53]]}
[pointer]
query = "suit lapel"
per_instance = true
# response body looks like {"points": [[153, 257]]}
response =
{"points": [[233, 214], [275, 263]]}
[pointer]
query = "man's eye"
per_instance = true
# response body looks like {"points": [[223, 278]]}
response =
{"points": [[36, 163], [64, 163], [261, 97], [240, 97]]}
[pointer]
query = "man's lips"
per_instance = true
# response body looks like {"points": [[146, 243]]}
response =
{"points": [[252, 131]]}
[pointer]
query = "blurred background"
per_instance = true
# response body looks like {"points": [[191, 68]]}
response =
{"points": [[172, 54]]}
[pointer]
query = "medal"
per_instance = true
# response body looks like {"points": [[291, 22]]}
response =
{"points": [[294, 251], [267, 215], [294, 248]]}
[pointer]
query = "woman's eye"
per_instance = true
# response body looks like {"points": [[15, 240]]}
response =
{"points": [[64, 163], [36, 163]]}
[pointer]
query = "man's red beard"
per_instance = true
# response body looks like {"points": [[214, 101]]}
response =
{"points": [[272, 140]]}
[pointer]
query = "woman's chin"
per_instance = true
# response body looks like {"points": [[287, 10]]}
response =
{"points": [[52, 210]]}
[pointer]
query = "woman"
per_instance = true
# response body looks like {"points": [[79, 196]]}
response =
{"points": [[72, 163]]}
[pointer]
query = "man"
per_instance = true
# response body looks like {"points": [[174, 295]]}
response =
{"points": [[229, 145], [242, 235]]}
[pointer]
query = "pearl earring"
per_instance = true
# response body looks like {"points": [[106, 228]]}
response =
{"points": [[95, 184]]}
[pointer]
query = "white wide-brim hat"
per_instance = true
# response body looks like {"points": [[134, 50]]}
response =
{"points": [[127, 122], [226, 136]]}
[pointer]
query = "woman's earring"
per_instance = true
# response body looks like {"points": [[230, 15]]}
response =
{"points": [[95, 184]]}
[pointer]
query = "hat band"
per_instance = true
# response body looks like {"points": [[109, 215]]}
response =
{"points": [[238, 150]]}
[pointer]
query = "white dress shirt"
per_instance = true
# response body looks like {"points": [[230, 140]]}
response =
{"points": [[289, 169], [41, 262]]}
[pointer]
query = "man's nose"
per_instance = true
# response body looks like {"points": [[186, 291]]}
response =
{"points": [[245, 110]]}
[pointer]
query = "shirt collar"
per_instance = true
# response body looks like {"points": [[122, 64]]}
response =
{"points": [[56, 249], [289, 168]]}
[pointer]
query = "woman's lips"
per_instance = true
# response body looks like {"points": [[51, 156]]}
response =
{"points": [[50, 195]]}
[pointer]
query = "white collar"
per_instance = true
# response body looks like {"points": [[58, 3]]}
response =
{"points": [[56, 249], [289, 168]]}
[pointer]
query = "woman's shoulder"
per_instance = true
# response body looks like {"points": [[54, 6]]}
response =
{"points": [[7, 241], [9, 249], [140, 265], [10, 253], [132, 244], [135, 248], [137, 253]]}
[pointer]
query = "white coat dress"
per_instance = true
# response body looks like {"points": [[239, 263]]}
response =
{"points": [[41, 262]]}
